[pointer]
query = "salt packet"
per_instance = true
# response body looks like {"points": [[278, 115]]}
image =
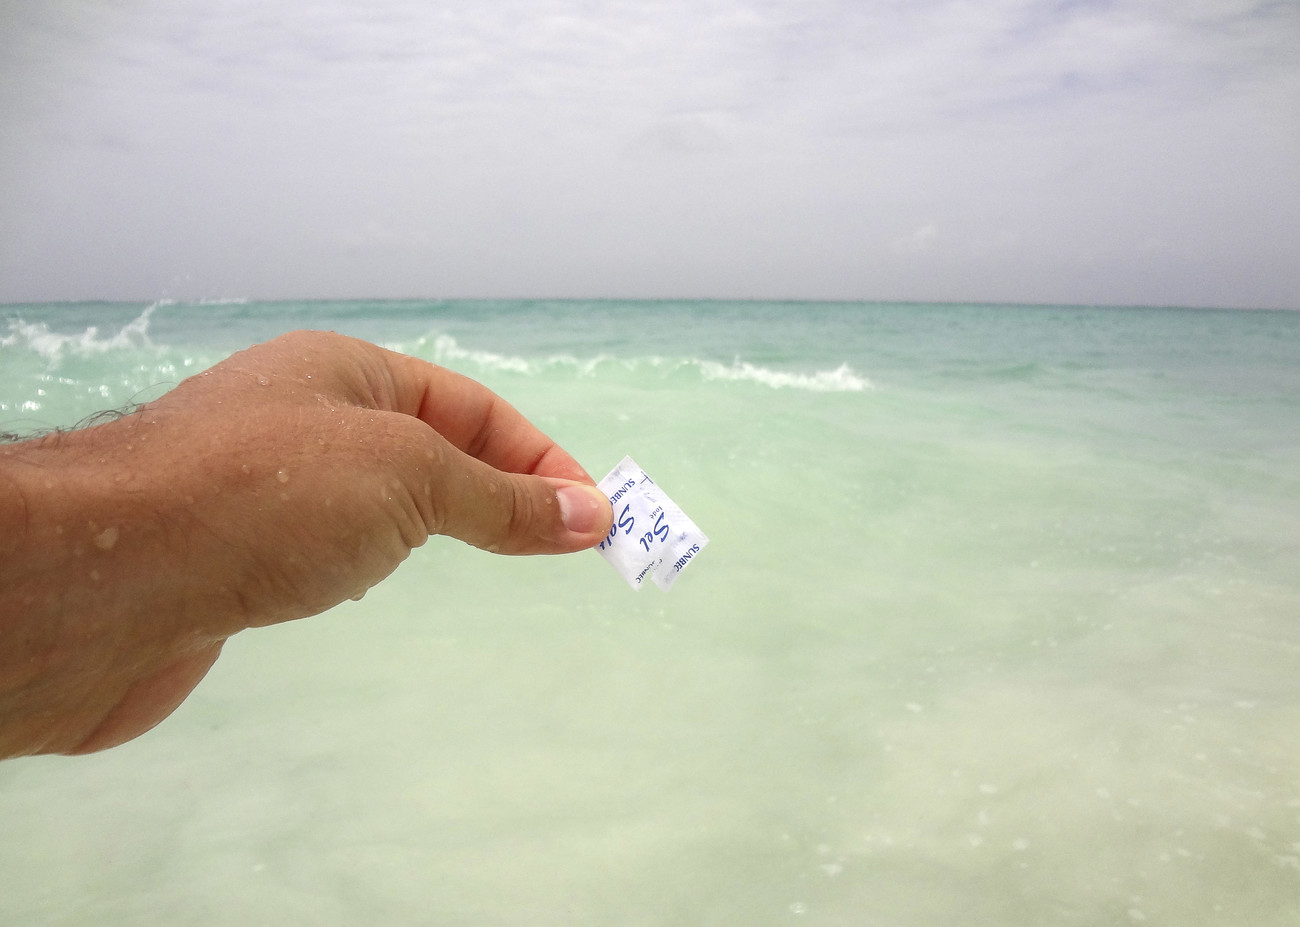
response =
{"points": [[651, 536]]}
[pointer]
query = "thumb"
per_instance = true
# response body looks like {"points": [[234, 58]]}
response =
{"points": [[515, 513]]}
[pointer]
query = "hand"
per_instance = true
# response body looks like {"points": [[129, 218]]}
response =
{"points": [[285, 479]]}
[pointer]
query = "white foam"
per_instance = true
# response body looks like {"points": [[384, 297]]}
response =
{"points": [[840, 380], [446, 350], [36, 336]]}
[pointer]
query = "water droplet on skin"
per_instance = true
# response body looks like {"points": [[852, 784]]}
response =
{"points": [[282, 476], [245, 469], [263, 381], [94, 576], [106, 539]]}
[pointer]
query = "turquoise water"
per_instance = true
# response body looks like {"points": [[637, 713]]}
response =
{"points": [[999, 624]]}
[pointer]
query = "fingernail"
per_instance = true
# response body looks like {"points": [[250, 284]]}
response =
{"points": [[580, 507]]}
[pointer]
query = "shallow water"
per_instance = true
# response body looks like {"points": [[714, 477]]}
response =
{"points": [[999, 624]]}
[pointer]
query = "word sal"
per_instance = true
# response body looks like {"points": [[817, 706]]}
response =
{"points": [[651, 536]]}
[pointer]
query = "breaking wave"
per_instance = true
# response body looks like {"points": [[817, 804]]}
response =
{"points": [[55, 346], [445, 350]]}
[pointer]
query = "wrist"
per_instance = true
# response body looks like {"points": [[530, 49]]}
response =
{"points": [[91, 596], [81, 520]]}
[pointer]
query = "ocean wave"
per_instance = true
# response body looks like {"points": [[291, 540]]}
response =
{"points": [[445, 350], [840, 380], [54, 346]]}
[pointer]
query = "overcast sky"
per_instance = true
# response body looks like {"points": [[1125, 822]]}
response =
{"points": [[1080, 151]]}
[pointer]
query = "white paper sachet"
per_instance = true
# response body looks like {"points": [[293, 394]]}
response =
{"points": [[651, 536]]}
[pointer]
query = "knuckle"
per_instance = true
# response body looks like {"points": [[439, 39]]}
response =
{"points": [[522, 520]]}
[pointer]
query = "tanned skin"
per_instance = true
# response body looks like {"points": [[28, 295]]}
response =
{"points": [[273, 486]]}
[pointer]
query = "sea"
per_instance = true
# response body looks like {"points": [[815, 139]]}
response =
{"points": [[999, 624]]}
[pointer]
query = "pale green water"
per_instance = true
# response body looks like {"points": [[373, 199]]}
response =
{"points": [[1010, 636]]}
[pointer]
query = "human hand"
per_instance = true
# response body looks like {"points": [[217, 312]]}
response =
{"points": [[285, 479]]}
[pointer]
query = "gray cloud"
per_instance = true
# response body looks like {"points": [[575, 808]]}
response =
{"points": [[1079, 151]]}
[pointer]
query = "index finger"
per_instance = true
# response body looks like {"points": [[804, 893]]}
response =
{"points": [[464, 412], [476, 420]]}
